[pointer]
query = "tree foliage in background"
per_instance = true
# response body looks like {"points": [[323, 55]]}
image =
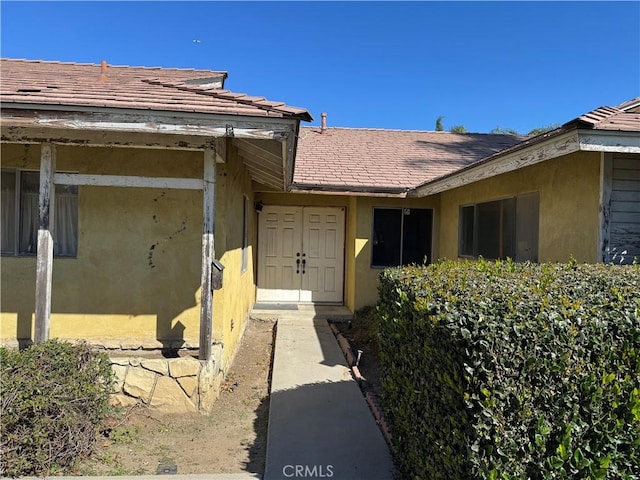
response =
{"points": [[458, 129], [54, 397], [540, 130], [439, 126], [497, 370]]}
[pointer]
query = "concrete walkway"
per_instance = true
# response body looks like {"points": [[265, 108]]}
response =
{"points": [[319, 423]]}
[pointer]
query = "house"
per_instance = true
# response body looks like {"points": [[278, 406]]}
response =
{"points": [[127, 201], [409, 196], [151, 208]]}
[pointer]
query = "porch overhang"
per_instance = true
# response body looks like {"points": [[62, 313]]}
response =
{"points": [[267, 145]]}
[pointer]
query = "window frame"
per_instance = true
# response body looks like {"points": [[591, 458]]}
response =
{"points": [[246, 209], [18, 216], [402, 233], [462, 251]]}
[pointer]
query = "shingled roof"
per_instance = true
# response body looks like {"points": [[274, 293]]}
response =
{"points": [[624, 117], [386, 161], [398, 161], [139, 88]]}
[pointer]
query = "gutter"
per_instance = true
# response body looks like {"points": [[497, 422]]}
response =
{"points": [[365, 191]]}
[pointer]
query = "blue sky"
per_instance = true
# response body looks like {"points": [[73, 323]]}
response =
{"points": [[400, 65]]}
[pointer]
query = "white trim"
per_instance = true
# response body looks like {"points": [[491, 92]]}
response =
{"points": [[605, 141], [564, 144], [44, 107], [604, 213], [144, 122], [561, 145], [128, 181], [208, 253], [44, 259]]}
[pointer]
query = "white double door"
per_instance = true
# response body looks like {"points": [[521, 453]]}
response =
{"points": [[301, 254]]}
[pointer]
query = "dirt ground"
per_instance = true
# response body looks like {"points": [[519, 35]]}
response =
{"points": [[361, 338], [231, 439]]}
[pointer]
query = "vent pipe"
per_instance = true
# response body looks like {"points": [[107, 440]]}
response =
{"points": [[323, 128], [103, 71]]}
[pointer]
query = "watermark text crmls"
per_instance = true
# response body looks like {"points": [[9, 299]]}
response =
{"points": [[307, 471]]}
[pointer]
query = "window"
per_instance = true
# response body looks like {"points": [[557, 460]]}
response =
{"points": [[19, 222], [500, 229], [245, 234], [401, 236]]}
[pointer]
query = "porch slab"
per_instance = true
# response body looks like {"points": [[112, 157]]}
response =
{"points": [[302, 312], [319, 423]]}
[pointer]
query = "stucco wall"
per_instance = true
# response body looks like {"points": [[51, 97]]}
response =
{"points": [[136, 279], [569, 189], [366, 277], [233, 303], [361, 281]]}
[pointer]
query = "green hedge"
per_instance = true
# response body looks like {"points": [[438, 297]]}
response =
{"points": [[497, 370], [53, 398]]}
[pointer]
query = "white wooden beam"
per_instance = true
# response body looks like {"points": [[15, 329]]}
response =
{"points": [[561, 145], [210, 127], [128, 181], [208, 253], [44, 261], [609, 141], [606, 183]]}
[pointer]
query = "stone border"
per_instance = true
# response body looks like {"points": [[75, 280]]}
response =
{"points": [[369, 396], [168, 385]]}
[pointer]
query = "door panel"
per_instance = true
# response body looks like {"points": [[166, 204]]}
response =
{"points": [[323, 240], [280, 241], [301, 254]]}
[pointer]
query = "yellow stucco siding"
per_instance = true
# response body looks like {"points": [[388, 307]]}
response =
{"points": [[568, 190], [233, 303], [136, 278], [366, 284], [361, 281]]}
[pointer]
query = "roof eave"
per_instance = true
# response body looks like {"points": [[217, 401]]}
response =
{"points": [[562, 141], [350, 190]]}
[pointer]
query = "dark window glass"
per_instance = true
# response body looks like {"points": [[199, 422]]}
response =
{"points": [[401, 236], [387, 228], [466, 231], [488, 226], [416, 238], [501, 229]]}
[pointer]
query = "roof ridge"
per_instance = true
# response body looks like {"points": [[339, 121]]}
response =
{"points": [[242, 98], [379, 129], [91, 64]]}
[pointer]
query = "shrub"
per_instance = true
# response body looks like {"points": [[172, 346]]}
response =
{"points": [[512, 371], [54, 396]]}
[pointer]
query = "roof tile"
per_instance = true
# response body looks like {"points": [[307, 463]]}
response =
{"points": [[144, 88], [342, 158]]}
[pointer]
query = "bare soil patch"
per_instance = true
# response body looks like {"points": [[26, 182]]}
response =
{"points": [[361, 334], [232, 438]]}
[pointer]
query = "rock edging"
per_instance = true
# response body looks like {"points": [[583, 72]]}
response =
{"points": [[168, 385], [369, 396]]}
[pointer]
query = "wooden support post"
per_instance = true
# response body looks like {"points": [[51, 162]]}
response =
{"points": [[44, 262], [606, 186], [208, 253]]}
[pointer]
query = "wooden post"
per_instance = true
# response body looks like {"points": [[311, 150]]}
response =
{"points": [[44, 262], [606, 185], [208, 253]]}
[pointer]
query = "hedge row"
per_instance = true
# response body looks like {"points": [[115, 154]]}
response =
{"points": [[497, 370], [53, 398]]}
